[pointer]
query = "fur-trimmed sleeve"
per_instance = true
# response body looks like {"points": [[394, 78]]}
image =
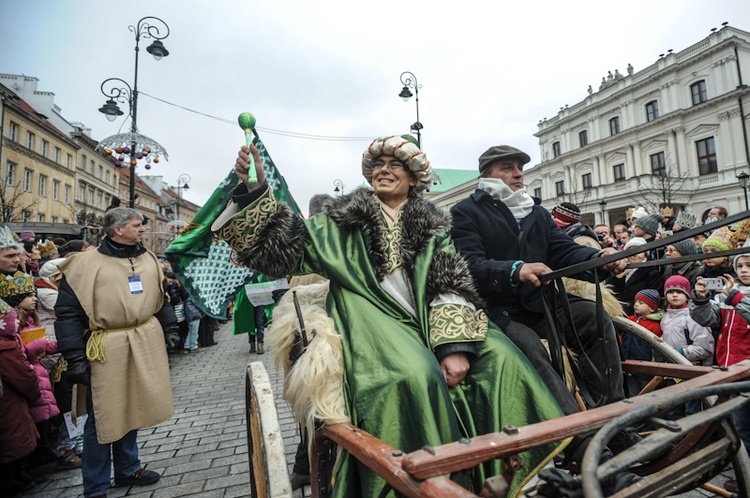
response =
{"points": [[266, 236], [454, 301]]}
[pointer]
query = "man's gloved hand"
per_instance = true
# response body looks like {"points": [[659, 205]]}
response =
{"points": [[172, 339], [78, 371]]}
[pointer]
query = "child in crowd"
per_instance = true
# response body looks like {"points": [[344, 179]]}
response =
{"points": [[720, 240], [19, 291], [692, 340], [647, 314], [730, 310], [18, 434]]}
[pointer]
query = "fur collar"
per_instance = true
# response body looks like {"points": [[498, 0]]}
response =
{"points": [[420, 221]]}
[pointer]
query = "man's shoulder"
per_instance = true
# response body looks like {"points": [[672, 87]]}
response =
{"points": [[471, 201]]}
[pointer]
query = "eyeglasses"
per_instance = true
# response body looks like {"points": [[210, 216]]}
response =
{"points": [[393, 165]]}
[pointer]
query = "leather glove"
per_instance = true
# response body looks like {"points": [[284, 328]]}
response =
{"points": [[172, 339], [78, 371]]}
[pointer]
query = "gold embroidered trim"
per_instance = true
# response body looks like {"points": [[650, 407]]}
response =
{"points": [[242, 229], [393, 236], [456, 323]]}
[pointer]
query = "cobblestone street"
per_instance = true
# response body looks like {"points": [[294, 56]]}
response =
{"points": [[202, 450]]}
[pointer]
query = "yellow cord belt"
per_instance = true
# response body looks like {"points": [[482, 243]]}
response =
{"points": [[95, 344]]}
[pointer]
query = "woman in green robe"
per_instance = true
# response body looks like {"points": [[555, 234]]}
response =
{"points": [[423, 364]]}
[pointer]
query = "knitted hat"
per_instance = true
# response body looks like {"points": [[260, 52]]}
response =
{"points": [[28, 235], [566, 214], [638, 213], [501, 153], [649, 223], [47, 249], [678, 283], [15, 288], [50, 268], [721, 239], [403, 150], [635, 242], [686, 247], [649, 296]]}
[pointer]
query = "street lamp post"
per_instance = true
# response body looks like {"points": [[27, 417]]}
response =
{"points": [[603, 206], [410, 81], [182, 183], [118, 90], [743, 178], [339, 187]]}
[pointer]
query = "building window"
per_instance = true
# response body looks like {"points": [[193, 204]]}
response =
{"points": [[55, 189], [82, 193], [583, 138], [652, 110], [10, 174], [65, 221], [556, 149], [13, 131], [658, 167], [586, 180], [54, 219], [29, 140], [25, 215], [83, 162], [58, 155], [42, 186], [560, 188], [538, 192], [67, 196], [27, 180], [69, 161], [100, 172], [614, 125], [45, 147], [99, 197], [107, 174], [91, 167], [619, 172], [698, 91], [40, 218], [91, 197], [706, 156]]}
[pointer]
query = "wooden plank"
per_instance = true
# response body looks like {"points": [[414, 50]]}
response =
{"points": [[385, 460], [456, 456], [654, 368]]}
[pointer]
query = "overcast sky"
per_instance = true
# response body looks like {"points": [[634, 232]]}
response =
{"points": [[489, 72]]}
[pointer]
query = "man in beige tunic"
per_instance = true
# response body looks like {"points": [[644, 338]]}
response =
{"points": [[111, 314]]}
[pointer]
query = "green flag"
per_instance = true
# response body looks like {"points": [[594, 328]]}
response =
{"points": [[201, 261]]}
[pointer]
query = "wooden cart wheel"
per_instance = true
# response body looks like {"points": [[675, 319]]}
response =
{"points": [[269, 477]]}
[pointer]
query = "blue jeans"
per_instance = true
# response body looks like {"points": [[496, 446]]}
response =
{"points": [[191, 341], [260, 323], [97, 458]]}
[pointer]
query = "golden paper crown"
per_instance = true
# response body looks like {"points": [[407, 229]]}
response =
{"points": [[667, 211], [629, 213], [47, 249], [741, 234], [17, 284], [5, 308]]}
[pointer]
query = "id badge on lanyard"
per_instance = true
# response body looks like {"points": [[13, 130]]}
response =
{"points": [[135, 284]]}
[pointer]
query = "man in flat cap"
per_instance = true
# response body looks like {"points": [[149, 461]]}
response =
{"points": [[509, 241]]}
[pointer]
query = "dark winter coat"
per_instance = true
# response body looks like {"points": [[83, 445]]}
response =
{"points": [[488, 237], [18, 432]]}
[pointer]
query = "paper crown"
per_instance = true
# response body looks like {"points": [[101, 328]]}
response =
{"points": [[667, 211], [47, 249], [721, 239], [741, 234], [686, 220], [6, 238], [629, 213], [16, 285], [5, 308]]}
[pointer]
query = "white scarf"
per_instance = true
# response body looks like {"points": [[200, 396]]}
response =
{"points": [[519, 202]]}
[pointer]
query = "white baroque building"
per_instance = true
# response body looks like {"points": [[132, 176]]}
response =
{"points": [[674, 133]]}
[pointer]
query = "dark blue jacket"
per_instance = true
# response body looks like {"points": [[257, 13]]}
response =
{"points": [[487, 235]]}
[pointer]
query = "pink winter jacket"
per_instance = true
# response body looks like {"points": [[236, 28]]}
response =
{"points": [[46, 407]]}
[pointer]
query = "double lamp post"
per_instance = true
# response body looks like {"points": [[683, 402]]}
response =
{"points": [[133, 144]]}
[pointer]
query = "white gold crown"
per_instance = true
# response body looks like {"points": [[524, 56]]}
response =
{"points": [[6, 238]]}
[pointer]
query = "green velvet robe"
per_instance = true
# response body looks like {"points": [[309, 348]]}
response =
{"points": [[393, 384]]}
